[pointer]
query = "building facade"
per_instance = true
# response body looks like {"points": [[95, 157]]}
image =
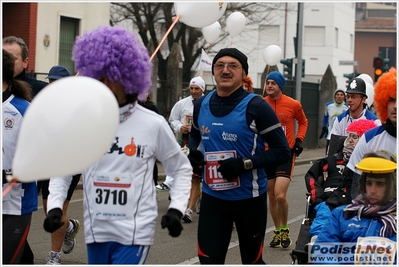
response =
{"points": [[50, 29]]}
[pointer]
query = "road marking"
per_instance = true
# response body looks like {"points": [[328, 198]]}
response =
{"points": [[234, 244]]}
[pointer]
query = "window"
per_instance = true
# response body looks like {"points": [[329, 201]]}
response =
{"points": [[69, 29], [336, 37], [269, 34], [314, 36], [351, 43]]}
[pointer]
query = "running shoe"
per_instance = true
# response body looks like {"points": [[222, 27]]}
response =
{"points": [[162, 187], [70, 240], [187, 218], [285, 238], [53, 258], [276, 239]]}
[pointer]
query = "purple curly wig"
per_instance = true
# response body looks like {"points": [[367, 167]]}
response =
{"points": [[115, 53]]}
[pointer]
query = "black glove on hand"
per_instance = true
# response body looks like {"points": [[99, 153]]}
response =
{"points": [[172, 220], [231, 168], [323, 132], [196, 161], [298, 147], [53, 220]]}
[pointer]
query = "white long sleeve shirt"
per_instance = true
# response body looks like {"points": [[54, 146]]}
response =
{"points": [[181, 113], [119, 194]]}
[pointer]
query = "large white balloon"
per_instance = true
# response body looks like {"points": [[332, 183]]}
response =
{"points": [[235, 23], [69, 126], [212, 32], [199, 14], [272, 55], [366, 78], [370, 94]]}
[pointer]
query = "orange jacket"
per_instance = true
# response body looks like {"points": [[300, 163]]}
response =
{"points": [[288, 110]]}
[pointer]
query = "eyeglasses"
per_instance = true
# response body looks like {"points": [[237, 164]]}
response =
{"points": [[231, 66], [353, 136], [348, 96]]}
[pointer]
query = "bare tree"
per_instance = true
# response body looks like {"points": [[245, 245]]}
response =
{"points": [[151, 21]]}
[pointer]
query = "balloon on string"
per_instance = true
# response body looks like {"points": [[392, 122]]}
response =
{"points": [[366, 78], [199, 14], [69, 126], [212, 32], [369, 93], [272, 55], [235, 23]]}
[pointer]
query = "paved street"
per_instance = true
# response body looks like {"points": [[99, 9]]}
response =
{"points": [[181, 250]]}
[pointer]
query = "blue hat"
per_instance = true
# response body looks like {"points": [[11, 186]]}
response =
{"points": [[58, 72], [277, 77]]}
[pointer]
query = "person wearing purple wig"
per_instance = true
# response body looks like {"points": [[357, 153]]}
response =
{"points": [[120, 207]]}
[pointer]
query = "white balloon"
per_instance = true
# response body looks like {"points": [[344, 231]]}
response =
{"points": [[69, 126], [235, 23], [369, 93], [366, 78], [212, 32], [199, 14], [272, 55]]}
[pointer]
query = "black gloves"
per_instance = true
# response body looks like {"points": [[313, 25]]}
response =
{"points": [[323, 132], [297, 149], [172, 220], [231, 168], [196, 160], [53, 220]]}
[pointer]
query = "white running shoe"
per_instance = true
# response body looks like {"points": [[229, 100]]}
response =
{"points": [[70, 240]]}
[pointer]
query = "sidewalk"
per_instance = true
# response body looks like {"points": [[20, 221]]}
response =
{"points": [[308, 156]]}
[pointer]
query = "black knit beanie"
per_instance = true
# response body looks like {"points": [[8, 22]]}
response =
{"points": [[232, 52]]}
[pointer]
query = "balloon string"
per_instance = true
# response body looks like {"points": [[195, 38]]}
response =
{"points": [[10, 185], [164, 37], [209, 47]]}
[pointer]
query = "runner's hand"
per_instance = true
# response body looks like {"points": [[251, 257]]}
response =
{"points": [[53, 220], [172, 220], [323, 132], [298, 147], [231, 168], [196, 161]]}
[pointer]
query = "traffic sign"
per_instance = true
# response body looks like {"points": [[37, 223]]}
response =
{"points": [[349, 62]]}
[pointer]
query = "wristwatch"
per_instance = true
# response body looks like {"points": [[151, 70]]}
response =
{"points": [[248, 164]]}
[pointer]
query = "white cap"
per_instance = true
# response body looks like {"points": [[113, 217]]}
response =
{"points": [[198, 81]]}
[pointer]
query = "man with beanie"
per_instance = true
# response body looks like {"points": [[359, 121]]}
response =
{"points": [[332, 110], [279, 175], [356, 100], [180, 120], [120, 207], [233, 125], [384, 136]]}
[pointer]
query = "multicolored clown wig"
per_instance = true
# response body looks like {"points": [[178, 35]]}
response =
{"points": [[358, 128], [384, 89], [117, 54]]}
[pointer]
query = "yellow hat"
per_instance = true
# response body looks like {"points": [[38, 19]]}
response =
{"points": [[376, 165]]}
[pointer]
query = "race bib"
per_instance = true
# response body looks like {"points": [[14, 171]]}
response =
{"points": [[213, 178], [111, 196]]}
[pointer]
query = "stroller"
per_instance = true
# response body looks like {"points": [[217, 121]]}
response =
{"points": [[326, 180]]}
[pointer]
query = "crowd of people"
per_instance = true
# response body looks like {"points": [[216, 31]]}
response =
{"points": [[237, 171]]}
